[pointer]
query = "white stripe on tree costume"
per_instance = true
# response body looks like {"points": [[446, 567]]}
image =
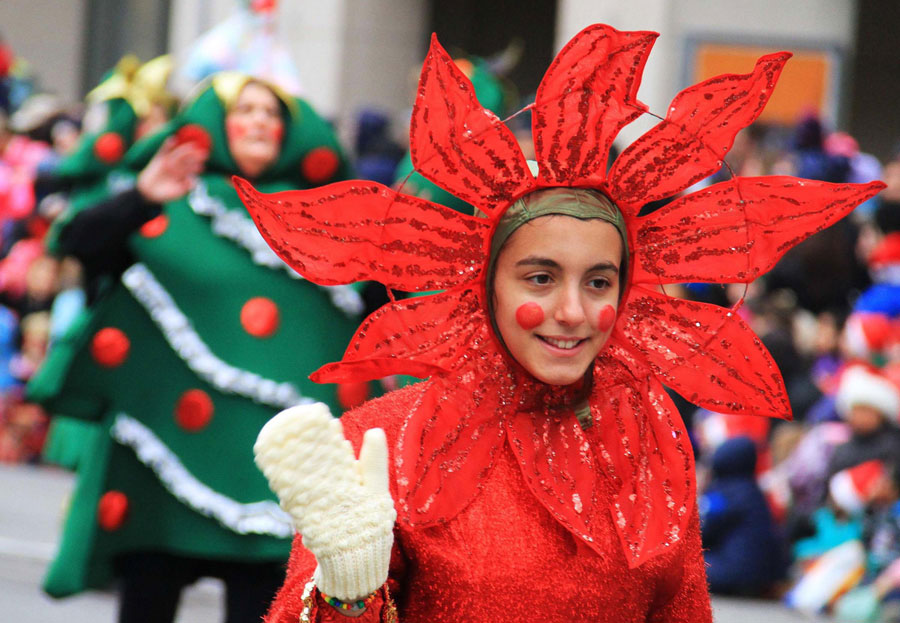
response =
{"points": [[190, 348], [263, 517], [234, 226]]}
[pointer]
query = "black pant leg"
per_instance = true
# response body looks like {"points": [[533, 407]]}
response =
{"points": [[250, 589], [150, 586]]}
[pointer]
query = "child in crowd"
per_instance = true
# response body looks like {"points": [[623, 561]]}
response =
{"points": [[870, 404], [742, 547]]}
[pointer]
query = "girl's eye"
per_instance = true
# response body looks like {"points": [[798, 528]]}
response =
{"points": [[599, 283], [540, 280]]}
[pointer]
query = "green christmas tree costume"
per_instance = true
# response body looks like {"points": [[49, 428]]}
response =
{"points": [[94, 171], [205, 337]]}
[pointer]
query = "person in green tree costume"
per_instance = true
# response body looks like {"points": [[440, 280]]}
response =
{"points": [[130, 102], [205, 333]]}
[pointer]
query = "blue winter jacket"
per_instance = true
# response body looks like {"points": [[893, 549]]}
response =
{"points": [[744, 551]]}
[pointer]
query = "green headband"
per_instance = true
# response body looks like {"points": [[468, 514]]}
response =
{"points": [[580, 203]]}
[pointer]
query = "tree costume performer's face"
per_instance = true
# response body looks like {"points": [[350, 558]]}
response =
{"points": [[556, 290], [254, 128], [156, 116]]}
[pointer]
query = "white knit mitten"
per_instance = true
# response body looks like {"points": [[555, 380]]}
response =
{"points": [[341, 506]]}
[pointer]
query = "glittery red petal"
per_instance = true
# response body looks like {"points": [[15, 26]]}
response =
{"points": [[587, 95], [705, 353], [690, 143], [737, 230], [559, 468], [640, 442], [447, 447], [459, 145], [357, 231], [418, 336]]}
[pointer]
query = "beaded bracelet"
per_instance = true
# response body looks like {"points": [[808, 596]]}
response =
{"points": [[356, 604]]}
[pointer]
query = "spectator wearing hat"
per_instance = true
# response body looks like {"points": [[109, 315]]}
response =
{"points": [[742, 548], [884, 267], [875, 487], [840, 518], [869, 402]]}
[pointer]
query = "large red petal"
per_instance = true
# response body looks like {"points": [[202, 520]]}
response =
{"points": [[705, 353], [459, 145], [560, 470], [737, 230], [418, 336], [690, 143], [640, 441], [448, 444], [587, 95], [357, 231]]}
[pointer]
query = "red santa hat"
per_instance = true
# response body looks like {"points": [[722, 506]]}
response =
{"points": [[868, 332], [887, 251], [715, 428], [852, 488], [862, 385], [884, 261]]}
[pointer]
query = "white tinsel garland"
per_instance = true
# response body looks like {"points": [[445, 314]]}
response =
{"points": [[264, 517], [187, 344], [234, 226]]}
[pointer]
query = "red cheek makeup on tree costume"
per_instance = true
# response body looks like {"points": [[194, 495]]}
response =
{"points": [[529, 315], [235, 129]]}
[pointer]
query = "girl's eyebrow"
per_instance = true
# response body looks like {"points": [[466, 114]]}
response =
{"points": [[533, 260], [604, 266]]}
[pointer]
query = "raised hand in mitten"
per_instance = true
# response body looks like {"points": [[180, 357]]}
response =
{"points": [[341, 506]]}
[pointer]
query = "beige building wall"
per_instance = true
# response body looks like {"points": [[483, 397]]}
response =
{"points": [[767, 22], [49, 34]]}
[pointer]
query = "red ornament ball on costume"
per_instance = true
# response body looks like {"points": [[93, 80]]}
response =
{"points": [[155, 226], [352, 395], [320, 164], [260, 317], [529, 315], [109, 147], [196, 134], [607, 318], [110, 347], [112, 510], [194, 410]]}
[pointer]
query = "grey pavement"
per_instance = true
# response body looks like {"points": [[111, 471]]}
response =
{"points": [[32, 502]]}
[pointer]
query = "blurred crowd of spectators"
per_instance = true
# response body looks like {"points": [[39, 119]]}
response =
{"points": [[809, 509], [36, 131]]}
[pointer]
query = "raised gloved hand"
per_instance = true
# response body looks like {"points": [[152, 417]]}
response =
{"points": [[341, 506]]}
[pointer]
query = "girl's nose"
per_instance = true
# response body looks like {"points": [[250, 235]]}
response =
{"points": [[569, 309]]}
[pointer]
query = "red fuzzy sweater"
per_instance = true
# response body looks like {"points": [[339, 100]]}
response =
{"points": [[505, 558]]}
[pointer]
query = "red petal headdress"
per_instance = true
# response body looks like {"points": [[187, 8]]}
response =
{"points": [[635, 462]]}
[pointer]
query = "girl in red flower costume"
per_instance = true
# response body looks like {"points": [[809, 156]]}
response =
{"points": [[521, 489]]}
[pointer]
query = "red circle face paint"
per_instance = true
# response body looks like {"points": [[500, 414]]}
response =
{"points": [[529, 315], [606, 319], [235, 128]]}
